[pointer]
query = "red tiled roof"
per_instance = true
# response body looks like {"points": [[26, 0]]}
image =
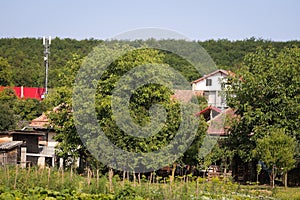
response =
{"points": [[208, 109], [217, 125]]}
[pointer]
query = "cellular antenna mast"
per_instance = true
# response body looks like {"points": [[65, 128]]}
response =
{"points": [[46, 43]]}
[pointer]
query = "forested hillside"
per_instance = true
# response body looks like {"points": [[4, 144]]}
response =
{"points": [[21, 59]]}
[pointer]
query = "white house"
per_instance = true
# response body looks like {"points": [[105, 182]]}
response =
{"points": [[211, 86]]}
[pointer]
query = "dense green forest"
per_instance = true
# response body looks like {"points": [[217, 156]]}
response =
{"points": [[21, 59]]}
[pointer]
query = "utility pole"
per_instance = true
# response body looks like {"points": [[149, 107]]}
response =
{"points": [[46, 43]]}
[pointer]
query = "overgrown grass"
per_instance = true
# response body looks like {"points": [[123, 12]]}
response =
{"points": [[287, 193], [50, 183]]}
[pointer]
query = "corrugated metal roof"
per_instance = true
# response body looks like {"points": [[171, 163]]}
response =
{"points": [[9, 145]]}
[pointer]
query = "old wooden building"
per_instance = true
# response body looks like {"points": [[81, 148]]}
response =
{"points": [[10, 152]]}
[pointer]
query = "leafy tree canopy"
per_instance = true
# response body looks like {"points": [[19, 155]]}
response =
{"points": [[276, 149], [265, 94], [25, 55], [5, 72], [8, 119]]}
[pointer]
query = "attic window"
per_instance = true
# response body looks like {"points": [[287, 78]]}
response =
{"points": [[208, 82]]}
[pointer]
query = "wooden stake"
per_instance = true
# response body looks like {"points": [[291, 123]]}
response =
{"points": [[16, 176], [49, 174]]}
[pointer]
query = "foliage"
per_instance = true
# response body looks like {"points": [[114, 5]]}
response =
{"points": [[14, 110], [140, 102], [265, 94], [46, 183], [5, 72], [220, 155], [229, 55], [25, 55], [8, 119], [128, 193], [29, 109], [276, 150], [287, 193], [61, 117]]}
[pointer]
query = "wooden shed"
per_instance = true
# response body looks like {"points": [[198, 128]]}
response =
{"points": [[10, 152]]}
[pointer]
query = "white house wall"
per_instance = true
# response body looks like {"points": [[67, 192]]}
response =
{"points": [[216, 86], [213, 92], [51, 141]]}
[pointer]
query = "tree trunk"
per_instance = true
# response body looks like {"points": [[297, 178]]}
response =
{"points": [[134, 179], [71, 172], [150, 179], [110, 176], [89, 176], [139, 178], [124, 177], [285, 179], [273, 181], [173, 173], [97, 178], [273, 175]]}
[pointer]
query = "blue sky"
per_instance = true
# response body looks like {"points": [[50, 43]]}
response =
{"points": [[196, 19]]}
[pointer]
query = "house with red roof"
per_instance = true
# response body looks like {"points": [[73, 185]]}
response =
{"points": [[217, 120]]}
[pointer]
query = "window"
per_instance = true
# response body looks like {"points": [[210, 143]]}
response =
{"points": [[208, 82], [206, 94]]}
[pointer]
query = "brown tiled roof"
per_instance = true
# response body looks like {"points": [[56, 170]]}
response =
{"points": [[217, 125], [41, 121], [186, 95]]}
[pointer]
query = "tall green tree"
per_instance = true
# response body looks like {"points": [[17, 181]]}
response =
{"points": [[150, 66], [59, 102], [141, 101], [265, 94]]}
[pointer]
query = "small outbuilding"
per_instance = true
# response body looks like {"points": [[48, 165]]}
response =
{"points": [[10, 152]]}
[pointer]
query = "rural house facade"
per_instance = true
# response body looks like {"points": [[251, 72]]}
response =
{"points": [[211, 86]]}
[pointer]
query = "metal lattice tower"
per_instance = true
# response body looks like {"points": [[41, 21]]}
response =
{"points": [[46, 43]]}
